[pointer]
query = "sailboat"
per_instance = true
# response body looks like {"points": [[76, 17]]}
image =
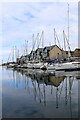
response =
{"points": [[64, 66], [68, 66], [11, 64], [37, 64], [51, 66]]}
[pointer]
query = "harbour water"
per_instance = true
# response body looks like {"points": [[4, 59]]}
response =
{"points": [[39, 94]]}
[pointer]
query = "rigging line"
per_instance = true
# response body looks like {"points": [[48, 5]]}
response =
{"points": [[64, 41], [67, 42], [26, 47], [68, 21], [9, 55], [37, 38], [65, 37], [58, 40], [35, 41], [40, 39], [54, 37], [32, 41], [39, 42]]}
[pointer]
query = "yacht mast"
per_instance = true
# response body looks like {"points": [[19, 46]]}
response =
{"points": [[54, 37], [37, 40], [17, 53], [42, 39], [68, 22], [66, 41], [66, 37], [13, 54], [26, 47], [33, 42]]}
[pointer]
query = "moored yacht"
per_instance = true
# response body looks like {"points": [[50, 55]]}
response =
{"points": [[30, 65], [37, 65], [64, 66], [11, 65], [68, 66]]}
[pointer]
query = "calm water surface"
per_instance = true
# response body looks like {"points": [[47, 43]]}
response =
{"points": [[39, 94]]}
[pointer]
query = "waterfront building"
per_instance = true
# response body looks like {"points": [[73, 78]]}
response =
{"points": [[56, 52], [49, 53], [39, 54], [76, 54], [46, 52], [31, 56], [23, 59]]}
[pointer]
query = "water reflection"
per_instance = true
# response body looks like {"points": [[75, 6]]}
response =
{"points": [[38, 77], [45, 87]]}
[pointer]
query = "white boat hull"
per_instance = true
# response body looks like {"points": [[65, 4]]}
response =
{"points": [[68, 66], [37, 65], [30, 66], [64, 66]]}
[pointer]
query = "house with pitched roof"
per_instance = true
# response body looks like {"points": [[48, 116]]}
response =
{"points": [[46, 52], [56, 53], [31, 55], [39, 53]]}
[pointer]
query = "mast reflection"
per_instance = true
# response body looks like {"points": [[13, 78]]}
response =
{"points": [[37, 81]]}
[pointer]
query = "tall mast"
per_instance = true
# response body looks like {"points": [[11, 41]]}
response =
{"points": [[33, 42], [38, 40], [42, 39], [2, 62], [9, 56], [68, 22], [64, 40], [42, 43], [54, 37], [26, 47], [25, 51], [13, 54], [18, 53]]}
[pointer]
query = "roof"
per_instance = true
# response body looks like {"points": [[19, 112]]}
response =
{"points": [[39, 49], [23, 56], [56, 46], [48, 47], [77, 49], [32, 51]]}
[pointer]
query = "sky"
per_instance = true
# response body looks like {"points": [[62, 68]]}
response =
{"points": [[20, 20]]}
